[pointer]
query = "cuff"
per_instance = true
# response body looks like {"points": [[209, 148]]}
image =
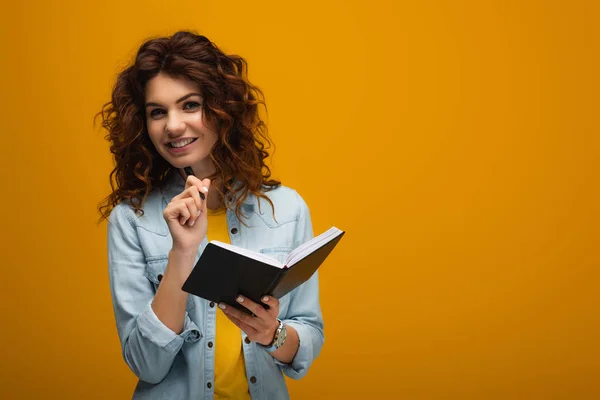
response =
{"points": [[152, 329], [304, 356]]}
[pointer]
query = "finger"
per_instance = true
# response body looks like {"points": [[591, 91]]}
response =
{"points": [[193, 210], [272, 303], [181, 195], [241, 320], [188, 192], [191, 180], [193, 193], [181, 211], [248, 329], [255, 308], [201, 185]]}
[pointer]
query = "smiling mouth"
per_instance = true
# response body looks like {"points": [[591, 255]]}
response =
{"points": [[177, 144]]}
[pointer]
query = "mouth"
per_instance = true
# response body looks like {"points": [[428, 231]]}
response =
{"points": [[181, 143]]}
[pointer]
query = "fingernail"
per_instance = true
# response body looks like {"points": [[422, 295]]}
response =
{"points": [[205, 189], [222, 306], [240, 299], [192, 223], [199, 212], [265, 299]]}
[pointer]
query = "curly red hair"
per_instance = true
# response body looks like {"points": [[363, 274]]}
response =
{"points": [[230, 100]]}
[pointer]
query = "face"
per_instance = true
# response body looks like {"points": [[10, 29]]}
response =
{"points": [[176, 124]]}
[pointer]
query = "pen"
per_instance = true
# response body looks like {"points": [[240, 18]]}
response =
{"points": [[189, 171]]}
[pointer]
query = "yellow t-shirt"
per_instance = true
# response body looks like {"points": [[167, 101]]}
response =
{"points": [[230, 370]]}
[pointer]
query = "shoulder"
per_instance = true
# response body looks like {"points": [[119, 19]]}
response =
{"points": [[151, 219], [288, 205], [283, 194], [122, 212]]}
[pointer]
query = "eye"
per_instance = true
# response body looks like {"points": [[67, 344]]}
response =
{"points": [[191, 105], [157, 112]]}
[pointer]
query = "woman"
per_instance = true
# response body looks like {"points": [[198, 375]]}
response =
{"points": [[184, 103]]}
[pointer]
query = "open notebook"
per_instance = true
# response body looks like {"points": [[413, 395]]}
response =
{"points": [[295, 255], [224, 270]]}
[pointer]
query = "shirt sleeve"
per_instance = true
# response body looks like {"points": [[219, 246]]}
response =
{"points": [[149, 347]]}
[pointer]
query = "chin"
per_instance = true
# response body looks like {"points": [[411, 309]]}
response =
{"points": [[184, 162], [178, 164]]}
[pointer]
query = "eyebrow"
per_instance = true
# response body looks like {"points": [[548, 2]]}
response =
{"points": [[178, 101]]}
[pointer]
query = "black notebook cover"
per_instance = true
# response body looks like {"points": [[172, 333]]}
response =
{"points": [[220, 275]]}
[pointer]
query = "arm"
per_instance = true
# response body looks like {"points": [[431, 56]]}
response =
{"points": [[286, 353], [170, 301], [149, 346], [152, 328], [305, 319]]}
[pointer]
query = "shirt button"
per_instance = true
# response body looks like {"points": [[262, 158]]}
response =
{"points": [[212, 304], [247, 340], [253, 379], [159, 277], [209, 385], [210, 344], [234, 230]]}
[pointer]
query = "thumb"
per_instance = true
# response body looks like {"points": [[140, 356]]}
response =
{"points": [[204, 187]]}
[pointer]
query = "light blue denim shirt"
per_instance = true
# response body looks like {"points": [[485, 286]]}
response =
{"points": [[171, 366]]}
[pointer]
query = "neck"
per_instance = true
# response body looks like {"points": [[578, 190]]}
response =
{"points": [[203, 169], [214, 199]]}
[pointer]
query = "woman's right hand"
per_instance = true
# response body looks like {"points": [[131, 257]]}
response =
{"points": [[186, 216]]}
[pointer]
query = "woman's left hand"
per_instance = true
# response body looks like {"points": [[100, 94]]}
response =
{"points": [[261, 326]]}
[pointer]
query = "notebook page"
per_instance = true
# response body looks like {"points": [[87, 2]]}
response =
{"points": [[249, 253], [307, 248]]}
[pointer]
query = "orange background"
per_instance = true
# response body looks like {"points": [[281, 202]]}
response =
{"points": [[453, 140]]}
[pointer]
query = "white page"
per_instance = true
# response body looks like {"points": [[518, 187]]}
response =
{"points": [[249, 253], [307, 248]]}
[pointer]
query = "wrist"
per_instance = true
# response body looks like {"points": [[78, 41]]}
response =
{"points": [[279, 337], [181, 263], [183, 254], [270, 339]]}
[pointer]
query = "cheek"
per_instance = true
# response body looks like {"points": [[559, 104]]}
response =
{"points": [[195, 120], [199, 124], [154, 132]]}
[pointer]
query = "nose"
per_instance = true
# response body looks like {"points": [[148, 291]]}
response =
{"points": [[174, 125]]}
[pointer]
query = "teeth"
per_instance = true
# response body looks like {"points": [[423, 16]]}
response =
{"points": [[181, 143]]}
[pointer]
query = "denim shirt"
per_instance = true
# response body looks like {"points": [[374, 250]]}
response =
{"points": [[181, 366]]}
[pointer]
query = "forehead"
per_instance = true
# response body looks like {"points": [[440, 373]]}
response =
{"points": [[164, 88]]}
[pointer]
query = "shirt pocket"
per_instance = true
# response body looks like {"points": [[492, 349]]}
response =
{"points": [[155, 270], [280, 254]]}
